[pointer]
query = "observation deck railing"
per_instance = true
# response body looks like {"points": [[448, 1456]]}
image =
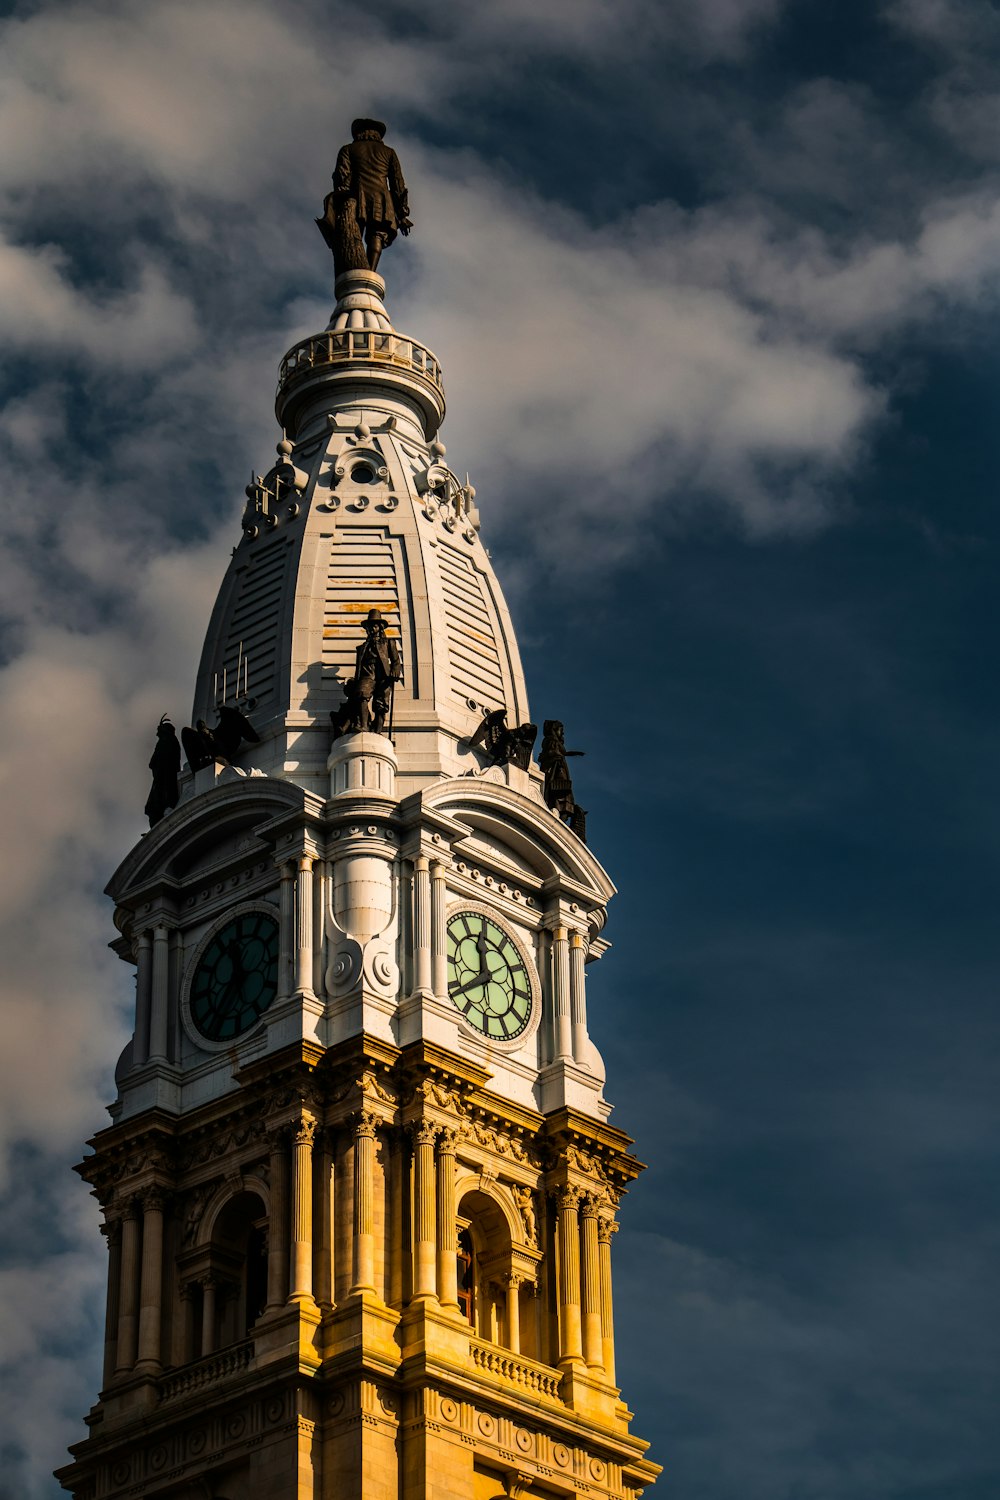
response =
{"points": [[211, 1370], [357, 346], [515, 1369]]}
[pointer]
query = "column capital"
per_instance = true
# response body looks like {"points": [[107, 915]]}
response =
{"points": [[448, 1139], [424, 1132], [605, 1229], [568, 1197], [366, 1123], [590, 1205], [303, 1130]]}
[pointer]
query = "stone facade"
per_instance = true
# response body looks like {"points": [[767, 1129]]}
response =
{"points": [[360, 1248]]}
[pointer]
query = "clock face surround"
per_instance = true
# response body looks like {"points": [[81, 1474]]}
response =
{"points": [[489, 978], [235, 977]]}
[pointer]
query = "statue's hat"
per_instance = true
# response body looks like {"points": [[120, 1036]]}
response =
{"points": [[375, 617], [358, 126]]}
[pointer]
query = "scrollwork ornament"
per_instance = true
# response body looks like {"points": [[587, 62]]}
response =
{"points": [[568, 1197], [366, 1124]]}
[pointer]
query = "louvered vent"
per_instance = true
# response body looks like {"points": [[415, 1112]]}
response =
{"points": [[472, 632], [254, 628], [362, 576]]}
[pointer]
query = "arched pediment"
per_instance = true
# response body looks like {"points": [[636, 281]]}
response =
{"points": [[183, 839], [523, 829]]}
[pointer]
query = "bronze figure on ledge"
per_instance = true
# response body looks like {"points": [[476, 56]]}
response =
{"points": [[204, 745], [558, 791], [369, 202], [165, 764], [503, 746]]}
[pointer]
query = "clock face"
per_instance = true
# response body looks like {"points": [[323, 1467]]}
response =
{"points": [[487, 977], [236, 978]]}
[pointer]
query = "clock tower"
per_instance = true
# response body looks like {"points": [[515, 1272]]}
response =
{"points": [[360, 1183]]}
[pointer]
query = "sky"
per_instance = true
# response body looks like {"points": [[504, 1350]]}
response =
{"points": [[715, 286]]}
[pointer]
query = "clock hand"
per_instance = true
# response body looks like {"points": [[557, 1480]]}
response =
{"points": [[483, 978]]}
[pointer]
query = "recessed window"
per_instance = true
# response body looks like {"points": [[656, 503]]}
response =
{"points": [[363, 474]]}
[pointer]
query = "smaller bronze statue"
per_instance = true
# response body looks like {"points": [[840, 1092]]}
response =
{"points": [[558, 790], [347, 718], [203, 745], [503, 746], [368, 695], [165, 763], [369, 204]]}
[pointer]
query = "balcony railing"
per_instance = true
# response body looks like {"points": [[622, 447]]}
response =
{"points": [[357, 345], [212, 1370], [515, 1369]]}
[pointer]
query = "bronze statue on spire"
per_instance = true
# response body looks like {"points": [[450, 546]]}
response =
{"points": [[369, 203]]}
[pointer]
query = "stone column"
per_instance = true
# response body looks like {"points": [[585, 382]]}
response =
{"points": [[364, 1203], [208, 1288], [151, 1300], [421, 923], [512, 1285], [439, 932], [184, 1348], [143, 996], [277, 1227], [302, 1202], [560, 987], [606, 1227], [447, 1241], [286, 906], [324, 1278], [160, 995], [112, 1231], [128, 1302], [424, 1135], [578, 995], [319, 885], [304, 927], [568, 1228], [592, 1334]]}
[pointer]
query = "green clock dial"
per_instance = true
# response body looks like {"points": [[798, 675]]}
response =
{"points": [[236, 978], [487, 977]]}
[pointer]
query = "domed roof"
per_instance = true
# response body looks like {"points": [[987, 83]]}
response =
{"points": [[361, 511]]}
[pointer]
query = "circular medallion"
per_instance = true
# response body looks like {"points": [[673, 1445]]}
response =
{"points": [[236, 978], [523, 1439], [449, 1409], [488, 978], [487, 1426], [561, 1454]]}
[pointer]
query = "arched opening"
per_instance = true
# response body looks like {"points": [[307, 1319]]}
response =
{"points": [[225, 1280], [495, 1294], [239, 1237]]}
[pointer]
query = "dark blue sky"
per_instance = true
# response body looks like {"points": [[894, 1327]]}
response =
{"points": [[715, 288]]}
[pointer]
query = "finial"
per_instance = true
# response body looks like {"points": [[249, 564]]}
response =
{"points": [[369, 204]]}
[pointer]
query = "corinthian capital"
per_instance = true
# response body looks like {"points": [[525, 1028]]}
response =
{"points": [[424, 1132]]}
